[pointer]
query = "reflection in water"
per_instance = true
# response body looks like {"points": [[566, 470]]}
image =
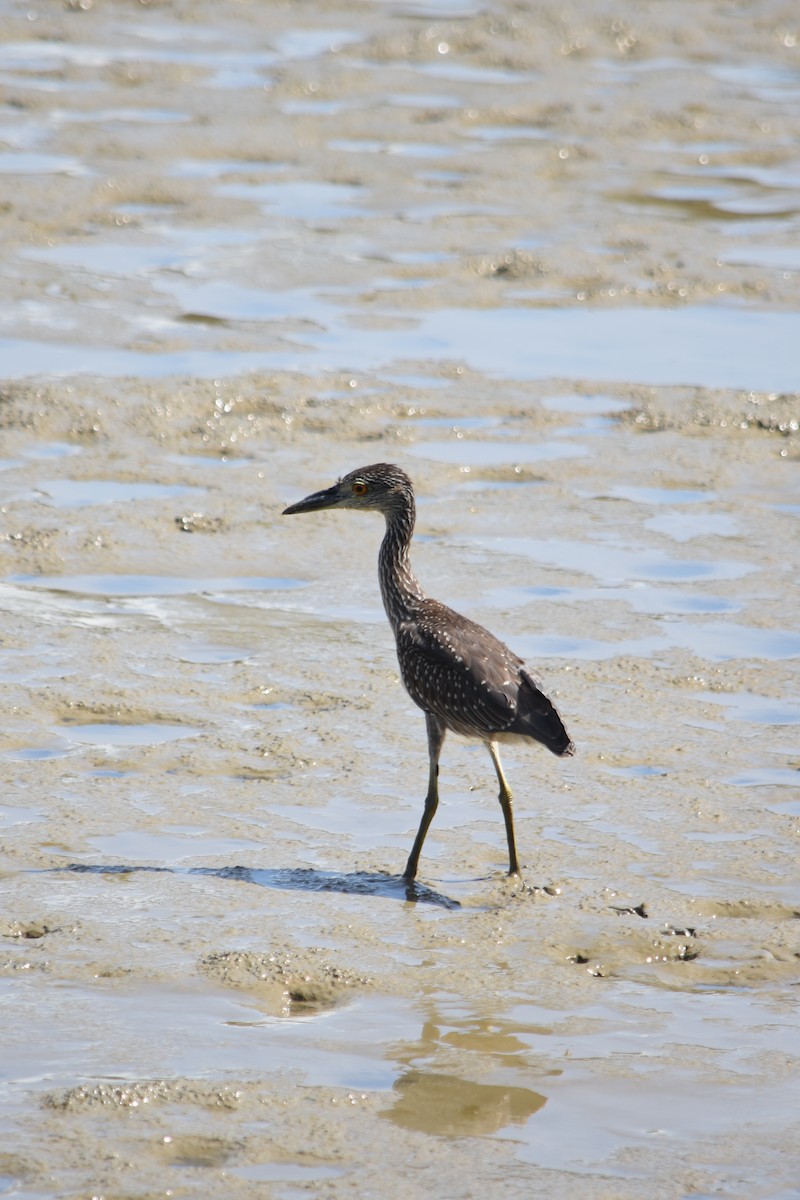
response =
{"points": [[445, 1102], [451, 1107]]}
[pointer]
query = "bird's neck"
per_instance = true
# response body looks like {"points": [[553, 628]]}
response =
{"points": [[400, 588]]}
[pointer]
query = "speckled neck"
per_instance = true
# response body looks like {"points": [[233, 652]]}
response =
{"points": [[400, 587]]}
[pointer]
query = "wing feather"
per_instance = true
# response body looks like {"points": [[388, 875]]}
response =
{"points": [[467, 677]]}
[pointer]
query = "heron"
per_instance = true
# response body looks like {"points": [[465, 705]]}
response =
{"points": [[462, 677]]}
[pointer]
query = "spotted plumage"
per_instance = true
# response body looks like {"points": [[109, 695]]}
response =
{"points": [[461, 676]]}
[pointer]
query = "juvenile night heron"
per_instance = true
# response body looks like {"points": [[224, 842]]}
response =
{"points": [[461, 676]]}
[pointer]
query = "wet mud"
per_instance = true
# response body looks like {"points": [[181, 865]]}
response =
{"points": [[546, 259]]}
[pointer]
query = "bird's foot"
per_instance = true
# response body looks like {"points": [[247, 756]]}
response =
{"points": [[522, 887]]}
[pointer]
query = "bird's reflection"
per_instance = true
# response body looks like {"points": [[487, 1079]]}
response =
{"points": [[435, 1091], [452, 1107]]}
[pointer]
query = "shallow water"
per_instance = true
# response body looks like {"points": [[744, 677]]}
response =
{"points": [[548, 264], [719, 348]]}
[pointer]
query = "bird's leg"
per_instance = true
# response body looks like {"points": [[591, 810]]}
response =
{"points": [[436, 732], [505, 804]]}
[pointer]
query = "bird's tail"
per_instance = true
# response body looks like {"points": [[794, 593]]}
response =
{"points": [[540, 719]]}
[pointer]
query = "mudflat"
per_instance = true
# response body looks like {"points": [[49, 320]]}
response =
{"points": [[546, 259]]}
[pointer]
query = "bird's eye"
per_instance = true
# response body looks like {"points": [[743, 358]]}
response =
{"points": [[359, 488]]}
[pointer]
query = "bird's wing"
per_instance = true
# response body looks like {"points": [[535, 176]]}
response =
{"points": [[538, 717], [459, 671]]}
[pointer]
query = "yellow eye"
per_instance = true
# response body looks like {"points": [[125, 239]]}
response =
{"points": [[359, 488]]}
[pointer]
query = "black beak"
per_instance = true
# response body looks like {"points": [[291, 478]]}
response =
{"points": [[326, 499]]}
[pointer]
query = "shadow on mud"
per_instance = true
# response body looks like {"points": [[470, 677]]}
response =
{"points": [[299, 879]]}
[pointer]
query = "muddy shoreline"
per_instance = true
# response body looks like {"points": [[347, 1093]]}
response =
{"points": [[548, 264]]}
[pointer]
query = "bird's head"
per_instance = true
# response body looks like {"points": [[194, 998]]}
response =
{"points": [[382, 486]]}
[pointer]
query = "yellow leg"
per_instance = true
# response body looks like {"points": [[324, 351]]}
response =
{"points": [[505, 804]]}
